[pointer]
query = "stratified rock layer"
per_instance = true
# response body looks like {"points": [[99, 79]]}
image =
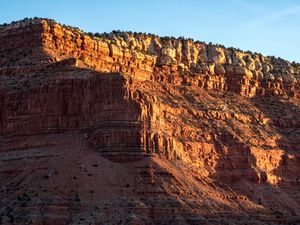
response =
{"points": [[136, 129]]}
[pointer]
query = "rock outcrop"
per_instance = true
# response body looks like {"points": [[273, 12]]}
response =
{"points": [[207, 133]]}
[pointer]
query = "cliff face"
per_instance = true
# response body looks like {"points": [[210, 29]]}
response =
{"points": [[198, 129]]}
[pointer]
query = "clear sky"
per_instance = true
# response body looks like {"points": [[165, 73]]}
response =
{"points": [[271, 27]]}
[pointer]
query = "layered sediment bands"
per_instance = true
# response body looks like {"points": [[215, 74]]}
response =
{"points": [[147, 56], [139, 127], [74, 98], [218, 136], [211, 67], [100, 54]]}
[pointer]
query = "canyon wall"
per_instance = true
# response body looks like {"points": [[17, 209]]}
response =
{"points": [[230, 115], [50, 85]]}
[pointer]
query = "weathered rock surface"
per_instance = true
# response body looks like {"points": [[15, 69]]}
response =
{"points": [[129, 128]]}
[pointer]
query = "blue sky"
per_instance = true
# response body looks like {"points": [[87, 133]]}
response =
{"points": [[267, 26]]}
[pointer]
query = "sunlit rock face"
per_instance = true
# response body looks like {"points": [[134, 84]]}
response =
{"points": [[127, 128]]}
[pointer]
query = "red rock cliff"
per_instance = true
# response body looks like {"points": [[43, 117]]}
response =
{"points": [[227, 116]]}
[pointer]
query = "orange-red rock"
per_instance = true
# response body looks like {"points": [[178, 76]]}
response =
{"points": [[136, 129]]}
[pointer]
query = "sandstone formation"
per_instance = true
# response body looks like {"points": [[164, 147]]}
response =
{"points": [[127, 128]]}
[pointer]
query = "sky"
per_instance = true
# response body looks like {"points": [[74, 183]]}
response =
{"points": [[270, 27]]}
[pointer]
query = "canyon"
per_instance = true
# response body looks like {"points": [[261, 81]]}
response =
{"points": [[132, 128]]}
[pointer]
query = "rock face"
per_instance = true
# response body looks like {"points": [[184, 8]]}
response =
{"points": [[126, 128]]}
